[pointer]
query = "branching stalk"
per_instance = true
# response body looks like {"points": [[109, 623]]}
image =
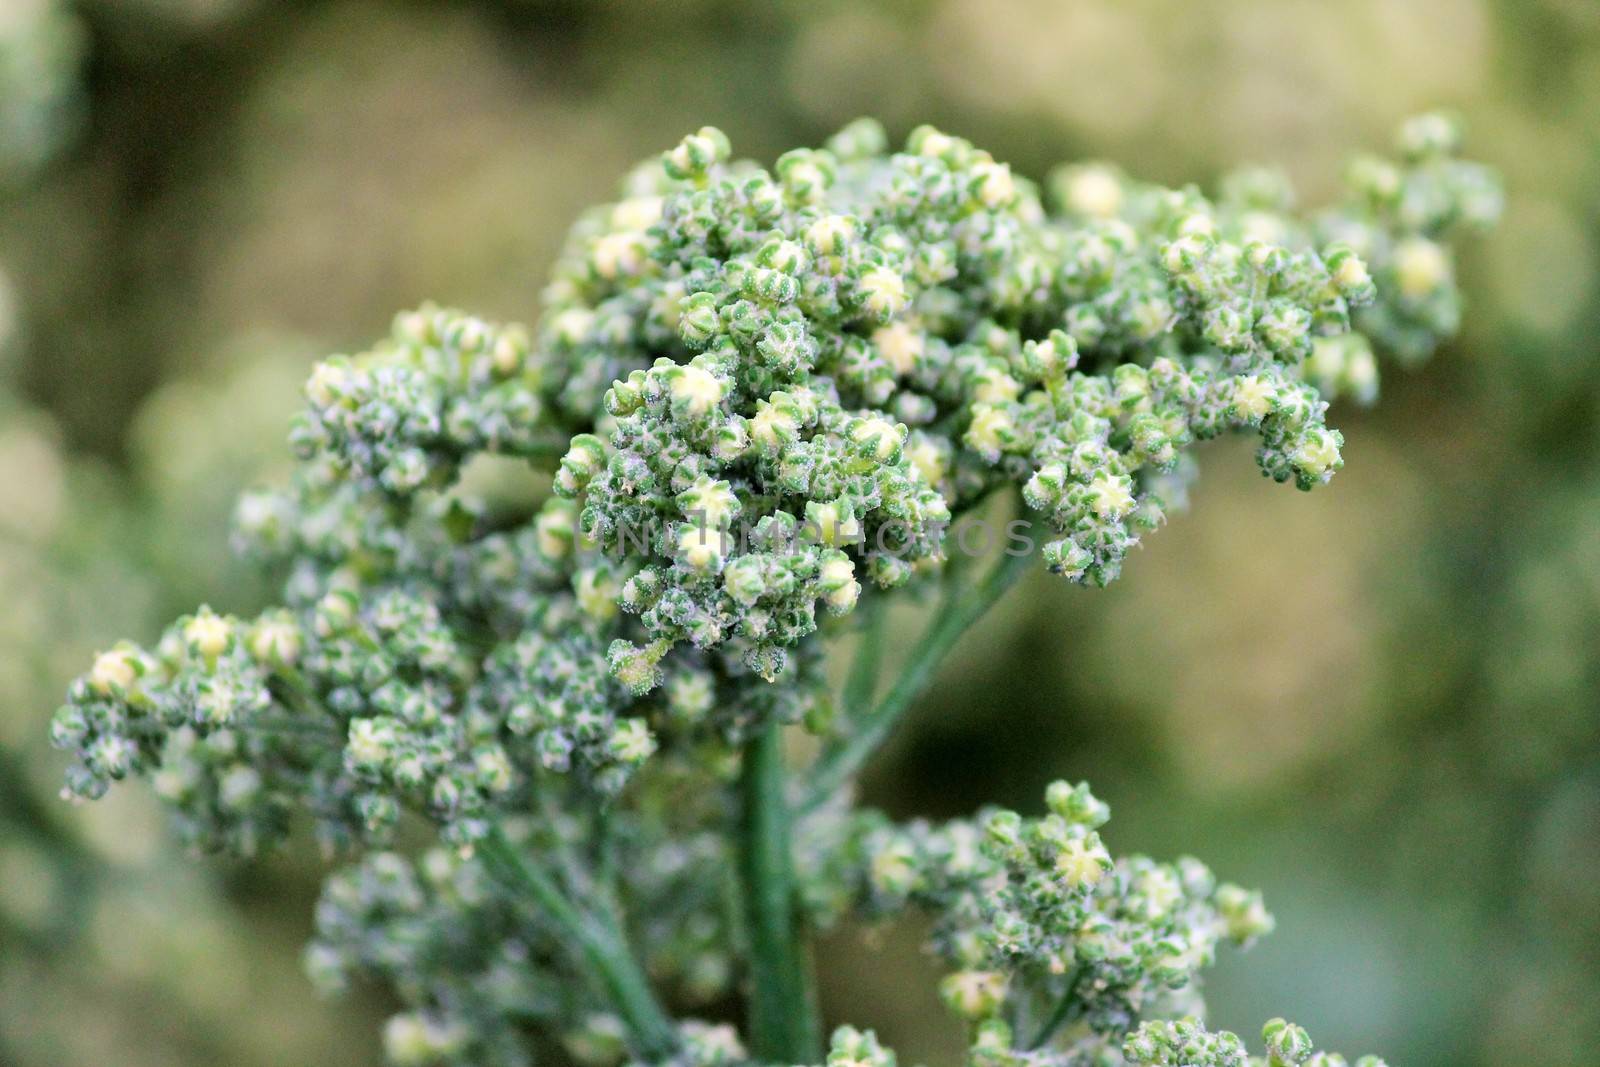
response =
{"points": [[960, 611], [601, 949], [1065, 1011], [862, 681]]}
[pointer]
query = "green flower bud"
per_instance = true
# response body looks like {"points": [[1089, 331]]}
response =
{"points": [[586, 455], [850, 1047], [1244, 914], [1076, 804], [1286, 1043], [697, 153], [974, 995]]}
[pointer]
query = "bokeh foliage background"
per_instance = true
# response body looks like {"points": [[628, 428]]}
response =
{"points": [[1379, 702]]}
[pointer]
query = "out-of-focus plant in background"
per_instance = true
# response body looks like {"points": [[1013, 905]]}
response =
{"points": [[1380, 703]]}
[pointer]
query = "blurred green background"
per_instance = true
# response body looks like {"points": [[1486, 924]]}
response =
{"points": [[1379, 702]]}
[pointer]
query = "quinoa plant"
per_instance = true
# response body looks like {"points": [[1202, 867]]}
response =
{"points": [[547, 731]]}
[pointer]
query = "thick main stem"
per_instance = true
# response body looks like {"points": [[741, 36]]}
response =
{"points": [[783, 1015], [601, 950]]}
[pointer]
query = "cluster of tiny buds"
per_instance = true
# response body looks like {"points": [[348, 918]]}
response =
{"points": [[759, 397], [405, 416], [851, 296], [1187, 1043], [1032, 909]]}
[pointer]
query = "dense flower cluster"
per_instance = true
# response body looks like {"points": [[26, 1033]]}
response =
{"points": [[392, 919], [359, 710], [404, 416], [1037, 918], [184, 715], [1186, 1043], [584, 573], [480, 968], [1180, 1042], [873, 327]]}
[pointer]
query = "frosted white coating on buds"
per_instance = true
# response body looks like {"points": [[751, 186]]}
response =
{"points": [[1037, 918], [389, 918], [405, 415], [756, 399], [1078, 352], [1187, 1043]]}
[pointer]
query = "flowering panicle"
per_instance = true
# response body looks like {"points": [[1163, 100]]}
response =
{"points": [[1186, 1043], [198, 717], [1181, 1042], [396, 919], [393, 919], [1401, 216], [553, 593], [405, 415], [929, 300], [364, 710], [1035, 915]]}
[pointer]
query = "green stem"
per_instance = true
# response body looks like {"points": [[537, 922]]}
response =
{"points": [[862, 681], [572, 877], [600, 948], [277, 724], [961, 610], [605, 861], [1066, 1010], [783, 1016]]}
